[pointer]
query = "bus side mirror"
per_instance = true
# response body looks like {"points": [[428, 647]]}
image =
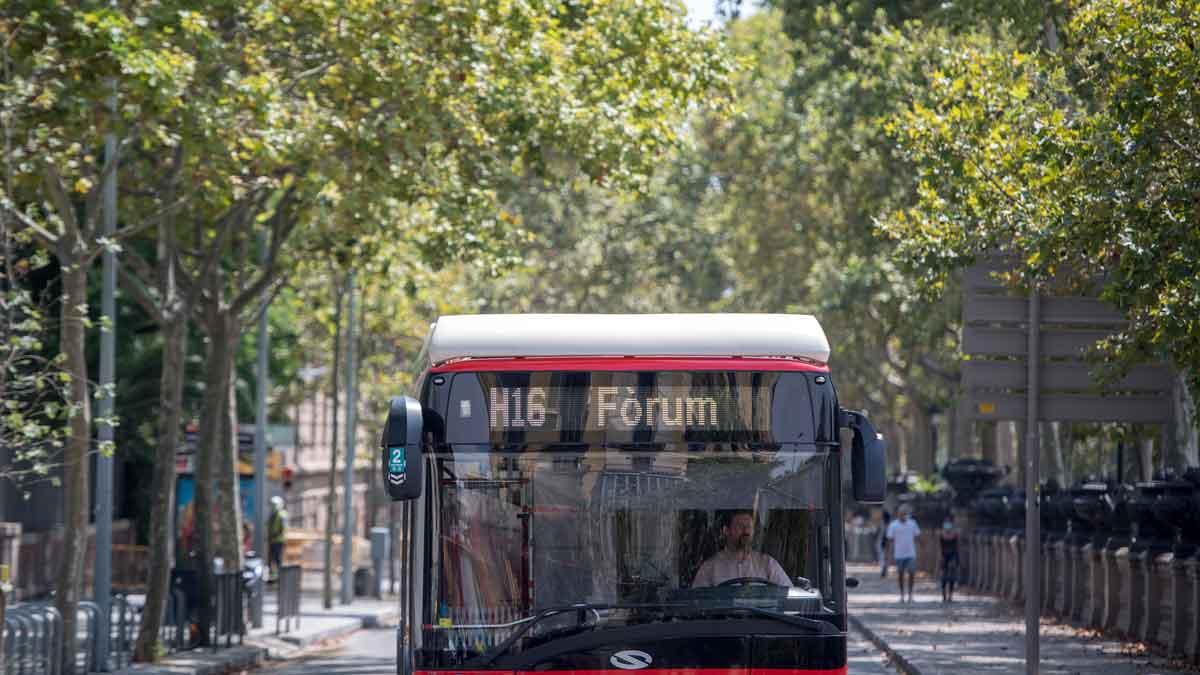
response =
{"points": [[868, 459], [402, 449]]}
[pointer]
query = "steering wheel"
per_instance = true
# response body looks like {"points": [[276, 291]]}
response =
{"points": [[748, 581]]}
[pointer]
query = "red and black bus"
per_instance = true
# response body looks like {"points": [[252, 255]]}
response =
{"points": [[586, 493]]}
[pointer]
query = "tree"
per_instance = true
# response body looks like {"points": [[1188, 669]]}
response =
{"points": [[768, 210], [793, 186], [1082, 162], [58, 95], [324, 126], [33, 387]]}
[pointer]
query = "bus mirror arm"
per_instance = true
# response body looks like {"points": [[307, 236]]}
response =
{"points": [[868, 458], [401, 456]]}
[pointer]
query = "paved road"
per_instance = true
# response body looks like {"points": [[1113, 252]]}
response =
{"points": [[366, 652]]}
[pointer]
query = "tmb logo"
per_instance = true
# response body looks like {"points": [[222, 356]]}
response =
{"points": [[630, 659]]}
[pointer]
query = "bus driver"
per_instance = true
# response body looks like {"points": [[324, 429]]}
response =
{"points": [[736, 560]]}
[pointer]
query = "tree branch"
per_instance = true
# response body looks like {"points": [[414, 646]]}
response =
{"points": [[46, 237], [267, 298], [132, 283], [287, 89], [235, 215], [62, 203], [281, 229], [106, 171]]}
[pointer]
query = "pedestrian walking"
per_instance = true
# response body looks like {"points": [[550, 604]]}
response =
{"points": [[276, 532], [948, 538], [902, 540], [881, 544]]}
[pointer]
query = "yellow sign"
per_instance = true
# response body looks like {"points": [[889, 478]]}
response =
{"points": [[4, 573], [274, 465], [987, 408], [445, 623]]}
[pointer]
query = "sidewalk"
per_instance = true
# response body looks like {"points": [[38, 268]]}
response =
{"points": [[261, 644], [320, 625], [977, 634]]}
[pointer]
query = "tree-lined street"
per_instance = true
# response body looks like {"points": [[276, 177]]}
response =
{"points": [[286, 194]]}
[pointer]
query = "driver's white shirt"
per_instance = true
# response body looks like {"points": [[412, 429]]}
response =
{"points": [[725, 566]]}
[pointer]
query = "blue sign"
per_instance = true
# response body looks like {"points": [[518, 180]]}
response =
{"points": [[397, 465]]}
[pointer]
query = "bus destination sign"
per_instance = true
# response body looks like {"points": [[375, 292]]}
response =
{"points": [[609, 407], [628, 407]]}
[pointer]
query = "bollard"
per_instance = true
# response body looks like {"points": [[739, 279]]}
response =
{"points": [[994, 563], [1047, 572], [288, 603], [1193, 635], [1132, 602], [1094, 606], [1183, 615], [1062, 572], [1081, 577], [1017, 592], [1113, 579], [1159, 604]]}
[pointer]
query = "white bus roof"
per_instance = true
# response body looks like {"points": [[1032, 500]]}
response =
{"points": [[539, 335]]}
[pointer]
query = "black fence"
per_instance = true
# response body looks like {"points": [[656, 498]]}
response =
{"points": [[289, 598]]}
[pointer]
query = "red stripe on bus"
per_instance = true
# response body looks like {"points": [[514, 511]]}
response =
{"points": [[630, 363], [651, 671]]}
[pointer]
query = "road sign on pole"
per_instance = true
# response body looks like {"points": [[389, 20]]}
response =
{"points": [[1028, 363]]}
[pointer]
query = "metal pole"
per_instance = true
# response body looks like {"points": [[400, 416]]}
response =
{"points": [[1033, 455], [348, 472], [102, 585], [262, 382]]}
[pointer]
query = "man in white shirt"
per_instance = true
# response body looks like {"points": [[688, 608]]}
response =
{"points": [[902, 544], [736, 560]]}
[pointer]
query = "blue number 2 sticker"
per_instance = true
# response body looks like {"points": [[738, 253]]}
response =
{"points": [[396, 461]]}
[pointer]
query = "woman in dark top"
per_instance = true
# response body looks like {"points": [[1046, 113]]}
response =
{"points": [[949, 541]]}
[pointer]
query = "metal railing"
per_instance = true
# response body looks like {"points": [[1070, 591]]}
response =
{"points": [[229, 618], [33, 635], [288, 604], [122, 624], [174, 634]]}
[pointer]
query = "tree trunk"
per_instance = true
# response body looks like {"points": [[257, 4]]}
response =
{"points": [[920, 456], [69, 585], [216, 393], [331, 495], [162, 539], [229, 515]]}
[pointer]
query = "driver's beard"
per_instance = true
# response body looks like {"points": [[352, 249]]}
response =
{"points": [[741, 543]]}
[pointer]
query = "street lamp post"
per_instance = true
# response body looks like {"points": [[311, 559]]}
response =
{"points": [[262, 382], [102, 585], [348, 472]]}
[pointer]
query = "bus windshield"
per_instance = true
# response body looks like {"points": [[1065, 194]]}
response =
{"points": [[637, 534]]}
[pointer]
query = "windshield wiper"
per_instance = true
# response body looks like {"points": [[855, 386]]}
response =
{"points": [[816, 625], [581, 608]]}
